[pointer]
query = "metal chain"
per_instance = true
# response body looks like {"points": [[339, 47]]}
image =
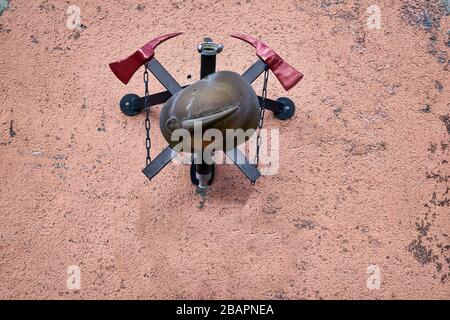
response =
{"points": [[148, 142], [261, 116]]}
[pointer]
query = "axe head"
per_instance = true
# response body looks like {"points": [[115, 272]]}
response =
{"points": [[124, 69], [287, 75]]}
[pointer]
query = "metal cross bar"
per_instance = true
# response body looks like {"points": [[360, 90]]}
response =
{"points": [[243, 164], [252, 73], [159, 162], [154, 100], [272, 105], [163, 76]]}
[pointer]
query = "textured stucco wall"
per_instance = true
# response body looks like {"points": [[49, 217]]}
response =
{"points": [[363, 176]]}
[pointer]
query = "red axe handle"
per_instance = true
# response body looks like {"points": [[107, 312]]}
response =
{"points": [[285, 73], [124, 69]]}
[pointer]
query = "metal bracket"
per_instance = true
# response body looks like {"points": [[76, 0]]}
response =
{"points": [[283, 108], [272, 105], [132, 104]]}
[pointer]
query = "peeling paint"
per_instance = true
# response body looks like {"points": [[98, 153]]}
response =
{"points": [[446, 4], [3, 6]]}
